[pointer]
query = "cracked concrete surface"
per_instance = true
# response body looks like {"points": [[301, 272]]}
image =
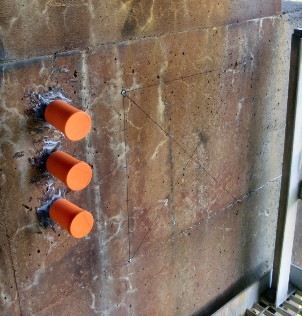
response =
{"points": [[186, 166]]}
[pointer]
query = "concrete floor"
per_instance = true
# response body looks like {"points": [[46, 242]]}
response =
{"points": [[186, 167]]}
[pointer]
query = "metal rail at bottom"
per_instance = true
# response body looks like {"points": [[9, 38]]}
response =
{"points": [[257, 298], [292, 305]]}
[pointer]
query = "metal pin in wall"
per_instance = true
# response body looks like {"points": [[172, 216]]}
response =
{"points": [[74, 173], [72, 122]]}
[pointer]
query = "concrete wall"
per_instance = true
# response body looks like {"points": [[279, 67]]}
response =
{"points": [[201, 133]]}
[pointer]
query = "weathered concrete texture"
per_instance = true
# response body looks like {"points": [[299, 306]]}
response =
{"points": [[41, 275], [180, 276], [42, 27], [199, 112], [186, 166], [186, 171]]}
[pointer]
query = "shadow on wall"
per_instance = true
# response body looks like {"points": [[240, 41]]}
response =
{"points": [[232, 291]]}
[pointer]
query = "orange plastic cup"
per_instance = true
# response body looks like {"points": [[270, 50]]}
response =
{"points": [[76, 221], [74, 173], [74, 123]]}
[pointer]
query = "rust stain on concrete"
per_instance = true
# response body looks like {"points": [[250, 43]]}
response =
{"points": [[184, 166]]}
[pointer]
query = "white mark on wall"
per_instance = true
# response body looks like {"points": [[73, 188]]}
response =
{"points": [[36, 277], [163, 68], [134, 84], [158, 148], [264, 212], [150, 18], [224, 230], [92, 305], [260, 29], [207, 58], [51, 242], [164, 202], [92, 28], [29, 226], [129, 289], [161, 104], [185, 8], [116, 222], [239, 108], [140, 128]]}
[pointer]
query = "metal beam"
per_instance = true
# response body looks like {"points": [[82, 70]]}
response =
{"points": [[290, 174]]}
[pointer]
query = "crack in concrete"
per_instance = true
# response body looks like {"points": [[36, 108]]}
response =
{"points": [[133, 40], [13, 265]]}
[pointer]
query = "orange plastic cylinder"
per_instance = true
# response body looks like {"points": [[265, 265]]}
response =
{"points": [[76, 221], [73, 123], [74, 173]]}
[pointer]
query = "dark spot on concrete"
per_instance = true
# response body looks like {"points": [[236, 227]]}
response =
{"points": [[203, 138], [18, 154], [41, 179], [130, 25], [27, 207], [28, 112]]}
